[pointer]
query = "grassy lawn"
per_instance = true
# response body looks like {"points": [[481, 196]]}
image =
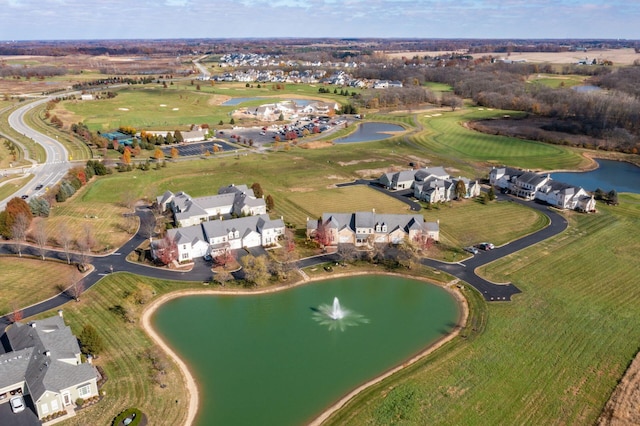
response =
{"points": [[469, 222], [77, 149], [555, 81], [108, 227], [13, 184], [446, 137], [175, 107], [123, 360], [27, 281], [552, 356]]}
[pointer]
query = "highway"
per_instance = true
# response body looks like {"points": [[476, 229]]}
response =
{"points": [[57, 161]]}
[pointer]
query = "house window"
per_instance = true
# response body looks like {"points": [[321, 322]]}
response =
{"points": [[185, 256], [44, 408], [84, 391], [54, 405]]}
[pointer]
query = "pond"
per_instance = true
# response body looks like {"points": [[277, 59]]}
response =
{"points": [[618, 175], [238, 101], [268, 359], [371, 131], [586, 88]]}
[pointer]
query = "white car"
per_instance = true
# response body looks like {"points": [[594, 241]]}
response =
{"points": [[17, 404]]}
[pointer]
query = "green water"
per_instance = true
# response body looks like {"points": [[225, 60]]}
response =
{"points": [[264, 360]]}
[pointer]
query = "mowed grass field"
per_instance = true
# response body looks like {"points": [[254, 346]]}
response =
{"points": [[446, 136], [123, 360], [154, 107], [468, 222], [552, 356], [25, 281], [84, 211]]}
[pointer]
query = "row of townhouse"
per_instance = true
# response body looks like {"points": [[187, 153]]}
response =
{"points": [[232, 200], [44, 365], [429, 184], [215, 237], [536, 186], [363, 229]]}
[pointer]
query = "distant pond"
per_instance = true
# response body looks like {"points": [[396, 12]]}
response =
{"points": [[238, 101], [371, 131], [618, 175]]}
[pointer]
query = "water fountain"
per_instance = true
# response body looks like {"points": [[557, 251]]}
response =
{"points": [[336, 317], [336, 312]]}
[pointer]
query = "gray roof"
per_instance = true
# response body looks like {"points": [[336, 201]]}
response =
{"points": [[50, 350], [244, 225], [187, 235], [355, 220]]}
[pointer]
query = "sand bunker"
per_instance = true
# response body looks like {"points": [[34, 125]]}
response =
{"points": [[162, 105], [175, 109], [123, 109]]}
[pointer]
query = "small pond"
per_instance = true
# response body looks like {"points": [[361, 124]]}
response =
{"points": [[371, 131], [268, 359], [618, 175], [238, 101], [586, 88]]}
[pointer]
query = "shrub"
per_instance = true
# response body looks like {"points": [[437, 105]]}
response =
{"points": [[79, 402], [128, 413]]}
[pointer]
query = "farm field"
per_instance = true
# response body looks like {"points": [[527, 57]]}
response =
{"points": [[552, 355], [124, 359], [26, 281]]}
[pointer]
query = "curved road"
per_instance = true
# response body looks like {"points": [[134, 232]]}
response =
{"points": [[57, 161]]}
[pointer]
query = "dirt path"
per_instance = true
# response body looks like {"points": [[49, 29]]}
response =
{"points": [[189, 380]]}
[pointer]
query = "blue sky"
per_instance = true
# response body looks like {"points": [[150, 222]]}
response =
{"points": [[109, 19]]}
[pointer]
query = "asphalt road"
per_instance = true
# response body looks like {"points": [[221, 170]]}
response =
{"points": [[57, 161]]}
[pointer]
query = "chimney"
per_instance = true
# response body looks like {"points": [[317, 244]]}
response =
{"points": [[33, 325], [60, 313], [47, 353]]}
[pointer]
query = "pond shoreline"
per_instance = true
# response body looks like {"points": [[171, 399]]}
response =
{"points": [[193, 393]]}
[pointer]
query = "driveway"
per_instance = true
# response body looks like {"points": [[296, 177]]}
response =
{"points": [[24, 418]]}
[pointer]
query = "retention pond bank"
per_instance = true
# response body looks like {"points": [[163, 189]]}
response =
{"points": [[270, 359]]}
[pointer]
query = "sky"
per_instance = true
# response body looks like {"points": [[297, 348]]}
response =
{"points": [[158, 19]]}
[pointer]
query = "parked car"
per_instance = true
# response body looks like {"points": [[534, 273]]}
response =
{"points": [[207, 258], [39, 187], [24, 197], [17, 404], [485, 246], [472, 250]]}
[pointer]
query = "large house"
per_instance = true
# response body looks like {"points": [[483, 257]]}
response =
{"points": [[430, 184], [230, 201], [216, 236], [535, 186], [44, 364], [366, 228]]}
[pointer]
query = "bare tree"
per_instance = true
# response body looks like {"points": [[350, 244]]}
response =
{"points": [[40, 236], [347, 252], [255, 269], [77, 286], [85, 243], [19, 231], [65, 241], [222, 277]]}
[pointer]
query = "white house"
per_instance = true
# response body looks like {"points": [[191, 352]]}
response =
{"points": [[530, 185], [44, 365], [232, 200], [216, 236], [430, 184]]}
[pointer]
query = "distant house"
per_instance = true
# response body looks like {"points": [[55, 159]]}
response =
{"points": [[214, 237], [366, 228], [230, 201], [44, 365], [530, 186], [430, 184]]}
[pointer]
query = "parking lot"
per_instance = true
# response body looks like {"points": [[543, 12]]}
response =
{"points": [[199, 148]]}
